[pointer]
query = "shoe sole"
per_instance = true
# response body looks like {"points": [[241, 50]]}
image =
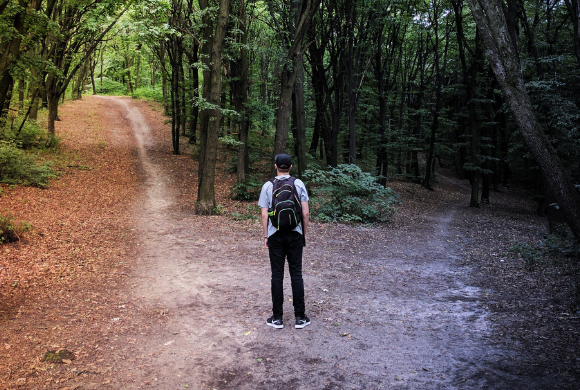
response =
{"points": [[302, 325], [275, 326]]}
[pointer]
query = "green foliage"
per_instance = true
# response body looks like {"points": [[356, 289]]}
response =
{"points": [[248, 190], [261, 116], [253, 212], [32, 136], [347, 194], [555, 250], [219, 209], [149, 93], [11, 230], [230, 141], [110, 87], [18, 167]]}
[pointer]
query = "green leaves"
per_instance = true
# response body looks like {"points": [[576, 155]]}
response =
{"points": [[347, 194], [18, 167]]}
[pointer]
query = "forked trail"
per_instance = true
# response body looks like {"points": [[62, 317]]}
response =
{"points": [[390, 307]]}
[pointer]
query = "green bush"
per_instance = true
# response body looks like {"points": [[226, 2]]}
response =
{"points": [[149, 93], [553, 250], [248, 190], [347, 194], [253, 212], [110, 87], [32, 136], [10, 230], [18, 167]]}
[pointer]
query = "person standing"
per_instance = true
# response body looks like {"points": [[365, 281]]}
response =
{"points": [[285, 242]]}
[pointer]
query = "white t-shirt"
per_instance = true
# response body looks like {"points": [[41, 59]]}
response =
{"points": [[266, 199]]}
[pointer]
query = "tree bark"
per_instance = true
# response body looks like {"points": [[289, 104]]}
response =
{"points": [[438, 98], [299, 128], [206, 190], [502, 55], [194, 92], [240, 69]]}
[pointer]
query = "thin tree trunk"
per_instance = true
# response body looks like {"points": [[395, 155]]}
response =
{"points": [[137, 65], [93, 65], [194, 76], [52, 111], [438, 103], [299, 121], [240, 91], [21, 90]]}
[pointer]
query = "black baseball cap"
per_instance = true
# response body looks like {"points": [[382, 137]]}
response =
{"points": [[283, 161]]}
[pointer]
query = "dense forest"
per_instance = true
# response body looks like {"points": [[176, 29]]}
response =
{"points": [[489, 87]]}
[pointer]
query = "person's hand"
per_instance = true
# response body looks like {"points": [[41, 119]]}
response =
{"points": [[266, 242], [304, 237]]}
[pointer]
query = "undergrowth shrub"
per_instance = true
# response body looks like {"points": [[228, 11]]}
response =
{"points": [[347, 194], [554, 250], [31, 136], [19, 167], [11, 230], [252, 212], [248, 190], [110, 87], [150, 93]]}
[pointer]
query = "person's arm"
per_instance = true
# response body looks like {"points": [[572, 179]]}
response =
{"points": [[305, 219], [265, 225]]}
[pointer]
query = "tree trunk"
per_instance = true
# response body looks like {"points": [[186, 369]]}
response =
{"points": [[438, 101], [299, 128], [240, 92], [206, 190], [10, 56], [162, 54], [194, 76], [93, 65], [137, 65], [350, 11], [474, 178], [52, 111], [382, 157], [320, 88], [502, 55], [21, 91]]}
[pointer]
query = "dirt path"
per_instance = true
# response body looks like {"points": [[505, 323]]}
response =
{"points": [[390, 308]]}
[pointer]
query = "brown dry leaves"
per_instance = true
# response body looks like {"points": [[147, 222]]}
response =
{"points": [[56, 284], [69, 273]]}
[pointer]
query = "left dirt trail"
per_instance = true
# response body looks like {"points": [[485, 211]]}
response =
{"points": [[175, 283]]}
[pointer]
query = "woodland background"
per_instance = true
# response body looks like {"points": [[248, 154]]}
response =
{"points": [[392, 86]]}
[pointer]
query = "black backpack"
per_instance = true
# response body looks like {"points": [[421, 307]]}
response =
{"points": [[286, 210]]}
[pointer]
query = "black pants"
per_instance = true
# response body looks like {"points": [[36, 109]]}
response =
{"points": [[286, 245]]}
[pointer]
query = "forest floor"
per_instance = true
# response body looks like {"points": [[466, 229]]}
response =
{"points": [[146, 295]]}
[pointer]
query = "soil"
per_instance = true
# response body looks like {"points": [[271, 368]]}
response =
{"points": [[146, 294]]}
